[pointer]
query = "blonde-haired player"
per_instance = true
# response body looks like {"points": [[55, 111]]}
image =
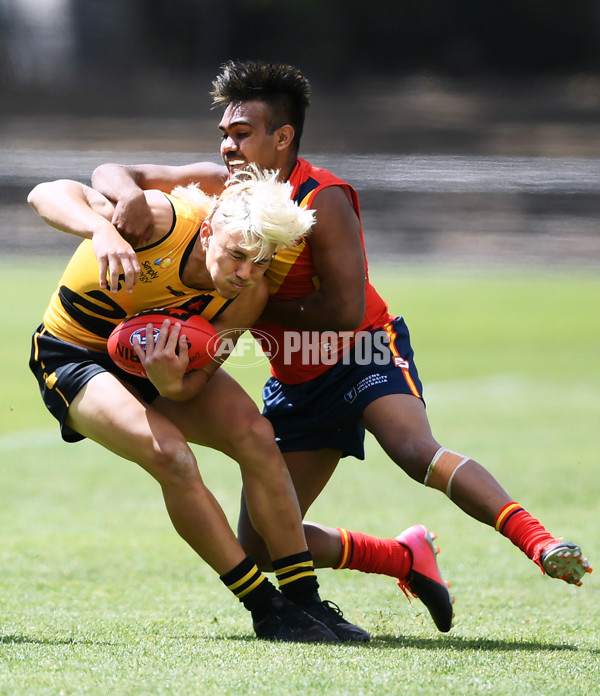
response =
{"points": [[258, 207], [208, 256]]}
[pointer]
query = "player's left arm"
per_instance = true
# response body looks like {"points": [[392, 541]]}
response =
{"points": [[338, 304]]}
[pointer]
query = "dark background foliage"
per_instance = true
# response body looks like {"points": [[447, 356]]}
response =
{"points": [[93, 48]]}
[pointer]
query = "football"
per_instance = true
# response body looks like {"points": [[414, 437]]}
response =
{"points": [[202, 338]]}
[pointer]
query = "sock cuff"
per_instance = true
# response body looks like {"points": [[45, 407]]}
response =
{"points": [[524, 531], [240, 569], [303, 557], [244, 578], [347, 548], [298, 566], [504, 515]]}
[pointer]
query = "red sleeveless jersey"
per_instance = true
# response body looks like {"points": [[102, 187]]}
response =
{"points": [[296, 355]]}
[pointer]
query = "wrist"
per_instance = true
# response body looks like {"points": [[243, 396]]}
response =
{"points": [[131, 194], [173, 393]]}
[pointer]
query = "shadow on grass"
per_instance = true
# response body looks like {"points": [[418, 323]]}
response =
{"points": [[32, 640], [389, 642], [381, 642], [385, 642]]}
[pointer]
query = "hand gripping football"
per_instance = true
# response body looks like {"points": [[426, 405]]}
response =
{"points": [[202, 338]]}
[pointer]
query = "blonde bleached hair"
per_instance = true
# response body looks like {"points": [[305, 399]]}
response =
{"points": [[256, 205], [201, 202]]}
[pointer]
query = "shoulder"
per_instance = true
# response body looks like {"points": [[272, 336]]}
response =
{"points": [[334, 211], [320, 188], [334, 196], [322, 176], [162, 212]]}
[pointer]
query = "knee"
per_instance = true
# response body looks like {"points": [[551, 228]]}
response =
{"points": [[414, 457], [251, 435], [174, 463]]}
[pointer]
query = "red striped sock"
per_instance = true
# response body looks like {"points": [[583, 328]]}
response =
{"points": [[371, 554], [524, 531]]}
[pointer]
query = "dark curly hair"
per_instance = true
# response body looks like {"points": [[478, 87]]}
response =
{"points": [[283, 87]]}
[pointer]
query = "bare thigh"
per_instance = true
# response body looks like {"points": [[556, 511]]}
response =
{"points": [[400, 425], [112, 414], [217, 417]]}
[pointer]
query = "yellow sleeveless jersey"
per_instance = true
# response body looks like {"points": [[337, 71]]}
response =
{"points": [[81, 312]]}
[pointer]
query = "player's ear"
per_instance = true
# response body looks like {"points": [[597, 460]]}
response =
{"points": [[284, 137], [205, 233]]}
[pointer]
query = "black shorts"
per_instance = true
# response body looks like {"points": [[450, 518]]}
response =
{"points": [[62, 369], [325, 412]]}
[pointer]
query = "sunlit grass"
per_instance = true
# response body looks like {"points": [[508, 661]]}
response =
{"points": [[98, 595]]}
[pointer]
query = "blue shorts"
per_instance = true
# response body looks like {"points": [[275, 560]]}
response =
{"points": [[325, 412], [62, 369]]}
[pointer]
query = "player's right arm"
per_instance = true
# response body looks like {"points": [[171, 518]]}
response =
{"points": [[124, 186]]}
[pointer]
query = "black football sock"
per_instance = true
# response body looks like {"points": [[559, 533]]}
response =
{"points": [[251, 587], [297, 578]]}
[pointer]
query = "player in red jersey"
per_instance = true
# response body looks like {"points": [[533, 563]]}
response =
{"points": [[323, 392], [210, 257]]}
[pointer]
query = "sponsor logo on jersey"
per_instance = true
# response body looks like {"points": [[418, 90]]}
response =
{"points": [[147, 273], [164, 262]]}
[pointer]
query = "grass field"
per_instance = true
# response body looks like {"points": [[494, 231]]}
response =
{"points": [[98, 595]]}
